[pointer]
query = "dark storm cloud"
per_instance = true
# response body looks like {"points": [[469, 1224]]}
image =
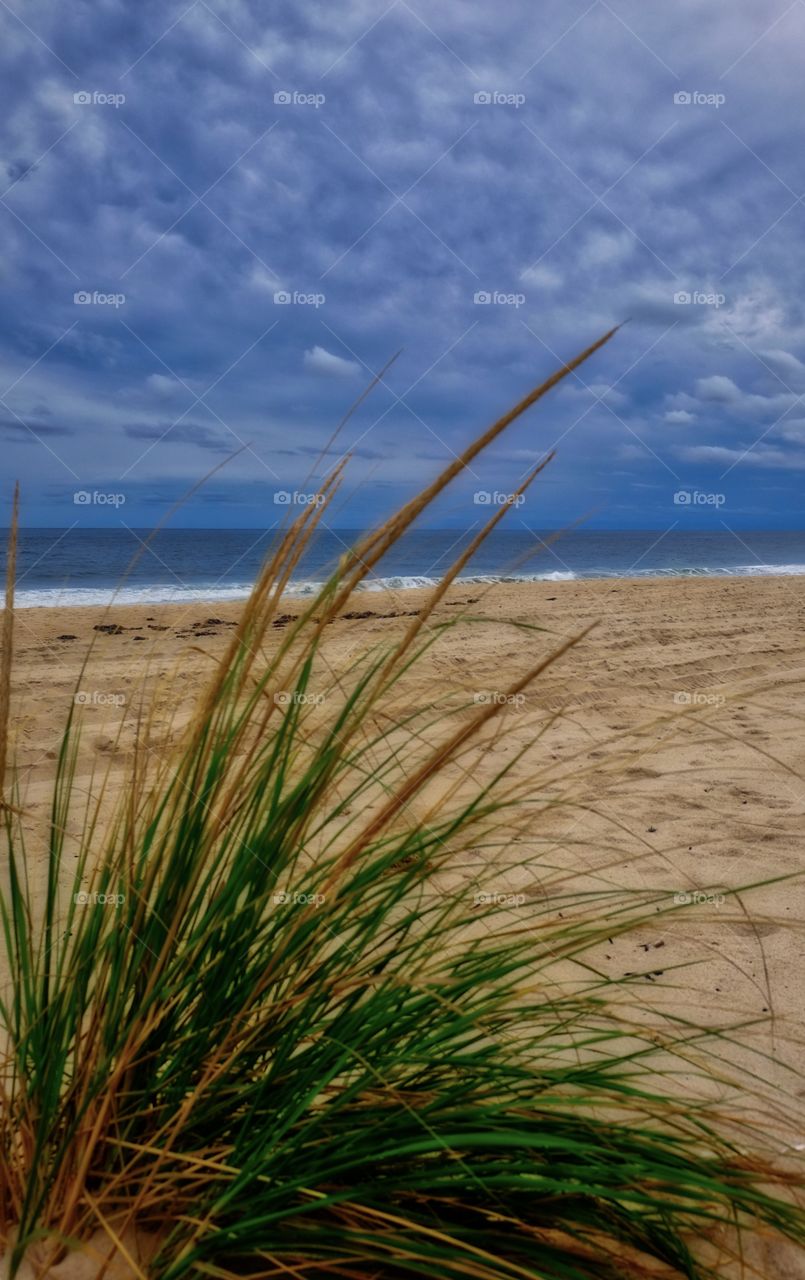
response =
{"points": [[220, 220], [192, 433], [16, 428]]}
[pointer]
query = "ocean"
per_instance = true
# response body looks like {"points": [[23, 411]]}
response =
{"points": [[90, 566]]}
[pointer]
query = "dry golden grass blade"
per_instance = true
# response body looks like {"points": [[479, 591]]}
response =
{"points": [[447, 751], [353, 408], [441, 589], [367, 554]]}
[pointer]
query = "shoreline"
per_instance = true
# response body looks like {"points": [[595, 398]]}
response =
{"points": [[307, 589]]}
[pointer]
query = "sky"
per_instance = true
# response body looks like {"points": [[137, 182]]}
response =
{"points": [[221, 221]]}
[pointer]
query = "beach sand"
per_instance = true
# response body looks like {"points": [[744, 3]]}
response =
{"points": [[706, 797]]}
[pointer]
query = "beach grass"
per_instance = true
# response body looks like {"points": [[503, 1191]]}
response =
{"points": [[256, 1026]]}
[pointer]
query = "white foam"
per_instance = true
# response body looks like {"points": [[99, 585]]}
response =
{"points": [[558, 575], [67, 597], [774, 570], [159, 593], [399, 582]]}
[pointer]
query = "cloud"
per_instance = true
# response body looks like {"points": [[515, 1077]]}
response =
{"points": [[319, 360], [754, 456], [792, 429], [605, 247], [594, 391], [202, 436], [164, 386], [720, 394], [23, 428], [652, 303], [788, 366], [633, 453], [679, 417], [717, 389], [19, 170], [262, 278], [542, 277], [609, 395]]}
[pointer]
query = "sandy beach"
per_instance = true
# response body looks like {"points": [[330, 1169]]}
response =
{"points": [[677, 718], [708, 795]]}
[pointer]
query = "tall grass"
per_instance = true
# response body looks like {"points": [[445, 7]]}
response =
{"points": [[254, 1029]]}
